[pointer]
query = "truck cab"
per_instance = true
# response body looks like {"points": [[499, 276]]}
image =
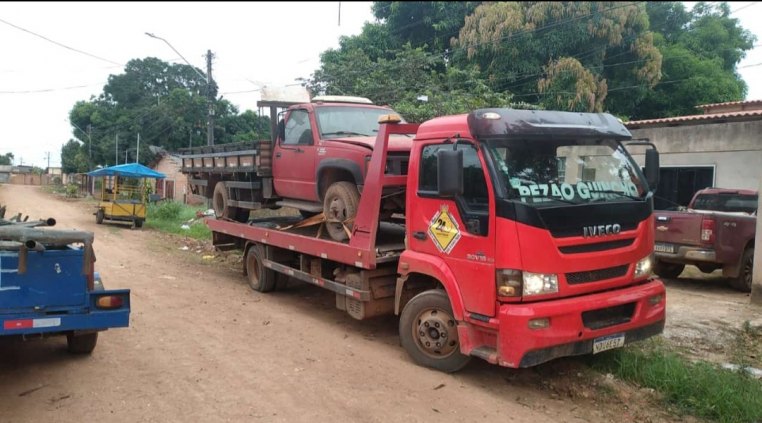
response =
{"points": [[321, 154]]}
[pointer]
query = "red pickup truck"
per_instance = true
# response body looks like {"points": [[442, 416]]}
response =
{"points": [[716, 231]]}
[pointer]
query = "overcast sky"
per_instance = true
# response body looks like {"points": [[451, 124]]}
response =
{"points": [[254, 44]]}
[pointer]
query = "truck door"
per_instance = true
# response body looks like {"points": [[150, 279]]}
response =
{"points": [[294, 158], [461, 230]]}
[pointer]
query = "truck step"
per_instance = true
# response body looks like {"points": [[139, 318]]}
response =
{"points": [[301, 205]]}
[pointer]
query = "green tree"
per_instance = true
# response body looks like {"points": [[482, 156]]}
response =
{"points": [[566, 55], [6, 159], [73, 157], [701, 50]]}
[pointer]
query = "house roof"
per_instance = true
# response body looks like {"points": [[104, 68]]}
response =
{"points": [[697, 119], [730, 103]]}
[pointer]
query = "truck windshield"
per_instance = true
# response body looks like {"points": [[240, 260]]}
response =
{"points": [[551, 173], [349, 121], [733, 203]]}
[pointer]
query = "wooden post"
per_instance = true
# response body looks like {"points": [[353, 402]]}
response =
{"points": [[756, 279]]}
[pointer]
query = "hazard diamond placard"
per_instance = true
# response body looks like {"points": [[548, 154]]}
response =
{"points": [[444, 230]]}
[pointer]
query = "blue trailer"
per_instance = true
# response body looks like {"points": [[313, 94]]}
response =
{"points": [[48, 286]]}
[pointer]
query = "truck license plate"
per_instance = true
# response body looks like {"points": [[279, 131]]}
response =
{"points": [[664, 248], [608, 342]]}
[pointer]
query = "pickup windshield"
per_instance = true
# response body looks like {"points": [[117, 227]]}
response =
{"points": [[733, 203], [551, 173], [344, 121]]}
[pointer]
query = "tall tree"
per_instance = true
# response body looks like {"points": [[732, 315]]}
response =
{"points": [[701, 49], [6, 159], [567, 55]]}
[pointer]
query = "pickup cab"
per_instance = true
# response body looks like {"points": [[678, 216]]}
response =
{"points": [[716, 231]]}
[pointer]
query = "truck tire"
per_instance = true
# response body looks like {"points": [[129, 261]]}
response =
{"points": [[260, 278], [99, 215], [742, 282], [340, 203], [220, 202], [429, 332], [668, 270], [81, 344]]}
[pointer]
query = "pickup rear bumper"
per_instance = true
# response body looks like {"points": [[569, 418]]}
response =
{"points": [[636, 312], [688, 254]]}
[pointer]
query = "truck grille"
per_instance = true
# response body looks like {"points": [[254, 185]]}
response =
{"points": [[605, 317], [599, 246], [596, 275]]}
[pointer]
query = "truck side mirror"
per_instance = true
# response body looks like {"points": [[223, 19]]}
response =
{"points": [[449, 173], [652, 168]]}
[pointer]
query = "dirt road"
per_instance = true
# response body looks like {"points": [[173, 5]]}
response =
{"points": [[203, 347]]}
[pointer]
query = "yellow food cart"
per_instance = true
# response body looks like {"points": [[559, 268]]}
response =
{"points": [[124, 193]]}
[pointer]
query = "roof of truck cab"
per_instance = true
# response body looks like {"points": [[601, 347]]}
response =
{"points": [[444, 127]]}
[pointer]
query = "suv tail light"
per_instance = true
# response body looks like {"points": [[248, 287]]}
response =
{"points": [[707, 230]]}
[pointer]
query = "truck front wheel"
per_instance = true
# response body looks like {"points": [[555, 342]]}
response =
{"points": [[429, 332], [340, 207], [260, 277], [668, 270], [743, 281], [81, 344]]}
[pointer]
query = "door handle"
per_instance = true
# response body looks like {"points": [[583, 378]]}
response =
{"points": [[277, 154], [419, 235], [299, 150]]}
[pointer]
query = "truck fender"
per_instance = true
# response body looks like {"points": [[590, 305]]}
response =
{"points": [[412, 262], [339, 164]]}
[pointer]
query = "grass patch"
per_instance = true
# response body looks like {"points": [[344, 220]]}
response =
{"points": [[747, 348], [700, 388], [170, 216]]}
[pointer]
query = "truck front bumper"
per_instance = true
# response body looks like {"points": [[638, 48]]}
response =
{"points": [[637, 312]]}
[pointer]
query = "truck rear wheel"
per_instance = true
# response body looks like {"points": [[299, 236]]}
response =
{"points": [[220, 203], [429, 332], [340, 207], [81, 344], [668, 270], [260, 277], [742, 282]]}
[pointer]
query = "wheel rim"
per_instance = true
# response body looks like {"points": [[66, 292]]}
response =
{"points": [[252, 270], [435, 333], [337, 210], [747, 270]]}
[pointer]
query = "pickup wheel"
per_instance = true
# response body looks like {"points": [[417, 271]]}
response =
{"points": [[668, 270], [743, 281], [340, 207], [220, 205], [260, 277], [429, 332], [81, 344]]}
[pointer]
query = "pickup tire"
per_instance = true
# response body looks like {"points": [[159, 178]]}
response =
{"points": [[429, 332], [220, 204], [668, 270], [340, 205], [81, 344], [260, 277], [742, 282]]}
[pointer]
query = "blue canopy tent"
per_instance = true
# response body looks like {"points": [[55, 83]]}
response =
{"points": [[121, 200], [129, 170]]}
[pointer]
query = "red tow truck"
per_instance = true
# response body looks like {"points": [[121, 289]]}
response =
{"points": [[525, 236]]}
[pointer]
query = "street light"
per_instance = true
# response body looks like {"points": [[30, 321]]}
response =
{"points": [[208, 77]]}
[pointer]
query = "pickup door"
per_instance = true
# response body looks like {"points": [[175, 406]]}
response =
{"points": [[294, 158]]}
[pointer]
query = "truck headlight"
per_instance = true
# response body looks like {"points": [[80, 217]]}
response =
{"points": [[540, 283], [643, 267]]}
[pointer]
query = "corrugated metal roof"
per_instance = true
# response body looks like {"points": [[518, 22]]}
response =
{"points": [[694, 118], [729, 103]]}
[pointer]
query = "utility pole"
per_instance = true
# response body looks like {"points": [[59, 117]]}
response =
{"points": [[209, 99], [47, 155], [137, 154], [89, 147], [116, 150], [190, 138]]}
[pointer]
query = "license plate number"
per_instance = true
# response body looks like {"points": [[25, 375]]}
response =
{"points": [[608, 342], [664, 248]]}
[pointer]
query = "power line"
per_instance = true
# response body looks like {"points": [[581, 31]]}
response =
{"points": [[60, 44]]}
